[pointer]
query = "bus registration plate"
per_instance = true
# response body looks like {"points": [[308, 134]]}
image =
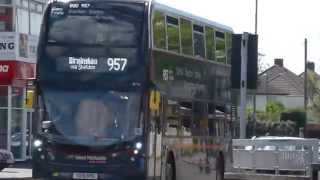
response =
{"points": [[85, 176]]}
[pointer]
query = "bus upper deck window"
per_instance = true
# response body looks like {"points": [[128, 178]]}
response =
{"points": [[198, 41], [173, 34], [186, 36], [159, 30], [220, 47], [210, 43]]}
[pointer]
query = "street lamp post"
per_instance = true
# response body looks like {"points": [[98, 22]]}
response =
{"points": [[305, 78], [256, 19], [254, 92], [29, 18]]}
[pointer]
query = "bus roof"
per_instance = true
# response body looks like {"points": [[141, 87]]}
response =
{"points": [[171, 10]]}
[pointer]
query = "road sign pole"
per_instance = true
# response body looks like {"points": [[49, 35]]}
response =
{"points": [[243, 85]]}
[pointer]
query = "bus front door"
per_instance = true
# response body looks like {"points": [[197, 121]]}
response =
{"points": [[155, 136]]}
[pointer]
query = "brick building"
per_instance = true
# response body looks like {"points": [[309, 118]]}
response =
{"points": [[19, 29]]}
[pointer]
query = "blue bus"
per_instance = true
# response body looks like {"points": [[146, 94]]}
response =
{"points": [[131, 90]]}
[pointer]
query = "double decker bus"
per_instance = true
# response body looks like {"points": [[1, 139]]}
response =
{"points": [[131, 90]]}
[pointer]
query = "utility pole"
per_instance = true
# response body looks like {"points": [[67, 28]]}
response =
{"points": [[254, 91], [305, 76], [256, 19], [243, 85], [29, 18]]}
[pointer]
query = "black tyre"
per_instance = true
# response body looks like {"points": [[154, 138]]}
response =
{"points": [[220, 168], [170, 169], [38, 171]]}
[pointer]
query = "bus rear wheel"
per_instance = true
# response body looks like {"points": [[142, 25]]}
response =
{"points": [[220, 168], [169, 171], [170, 168], [38, 171]]}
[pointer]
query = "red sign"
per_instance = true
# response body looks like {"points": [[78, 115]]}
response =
{"points": [[15, 71]]}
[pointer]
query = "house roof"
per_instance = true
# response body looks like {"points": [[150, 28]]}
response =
{"points": [[278, 80]]}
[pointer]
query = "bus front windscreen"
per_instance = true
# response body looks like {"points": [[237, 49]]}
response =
{"points": [[95, 24], [96, 37], [92, 118]]}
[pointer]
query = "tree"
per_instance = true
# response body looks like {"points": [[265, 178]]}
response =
{"points": [[274, 110], [280, 128], [313, 94], [262, 64], [298, 116]]}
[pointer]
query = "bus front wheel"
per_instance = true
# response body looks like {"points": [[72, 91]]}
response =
{"points": [[38, 171]]}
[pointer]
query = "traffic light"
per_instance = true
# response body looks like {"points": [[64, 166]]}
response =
{"points": [[252, 61]]}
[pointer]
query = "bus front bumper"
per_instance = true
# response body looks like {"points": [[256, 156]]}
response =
{"points": [[72, 171]]}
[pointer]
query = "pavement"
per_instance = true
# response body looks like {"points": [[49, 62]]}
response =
{"points": [[19, 170], [243, 176], [23, 171]]}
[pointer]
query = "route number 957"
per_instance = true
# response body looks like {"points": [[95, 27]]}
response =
{"points": [[117, 64]]}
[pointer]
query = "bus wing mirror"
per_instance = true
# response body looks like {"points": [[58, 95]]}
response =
{"points": [[46, 124]]}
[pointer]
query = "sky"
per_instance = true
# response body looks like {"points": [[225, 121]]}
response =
{"points": [[282, 25]]}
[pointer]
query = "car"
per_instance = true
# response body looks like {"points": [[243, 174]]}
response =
{"points": [[6, 159], [277, 138], [280, 141]]}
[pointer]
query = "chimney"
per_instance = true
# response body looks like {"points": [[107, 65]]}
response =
{"points": [[278, 62], [310, 66]]}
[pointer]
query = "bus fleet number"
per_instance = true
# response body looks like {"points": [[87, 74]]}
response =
{"points": [[117, 64]]}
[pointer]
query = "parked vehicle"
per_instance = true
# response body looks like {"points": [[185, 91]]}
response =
{"points": [[6, 159], [275, 155], [281, 140]]}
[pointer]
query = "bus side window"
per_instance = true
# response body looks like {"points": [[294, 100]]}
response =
{"points": [[178, 118], [185, 109], [210, 43], [219, 87], [42, 115], [198, 41], [222, 127], [186, 36], [173, 118], [159, 30], [211, 120], [173, 34], [220, 47], [200, 119], [229, 47]]}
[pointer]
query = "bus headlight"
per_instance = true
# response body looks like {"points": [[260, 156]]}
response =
{"points": [[139, 145], [135, 152], [37, 143]]}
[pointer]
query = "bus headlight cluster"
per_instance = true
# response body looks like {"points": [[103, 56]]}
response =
{"points": [[37, 143], [138, 145]]}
